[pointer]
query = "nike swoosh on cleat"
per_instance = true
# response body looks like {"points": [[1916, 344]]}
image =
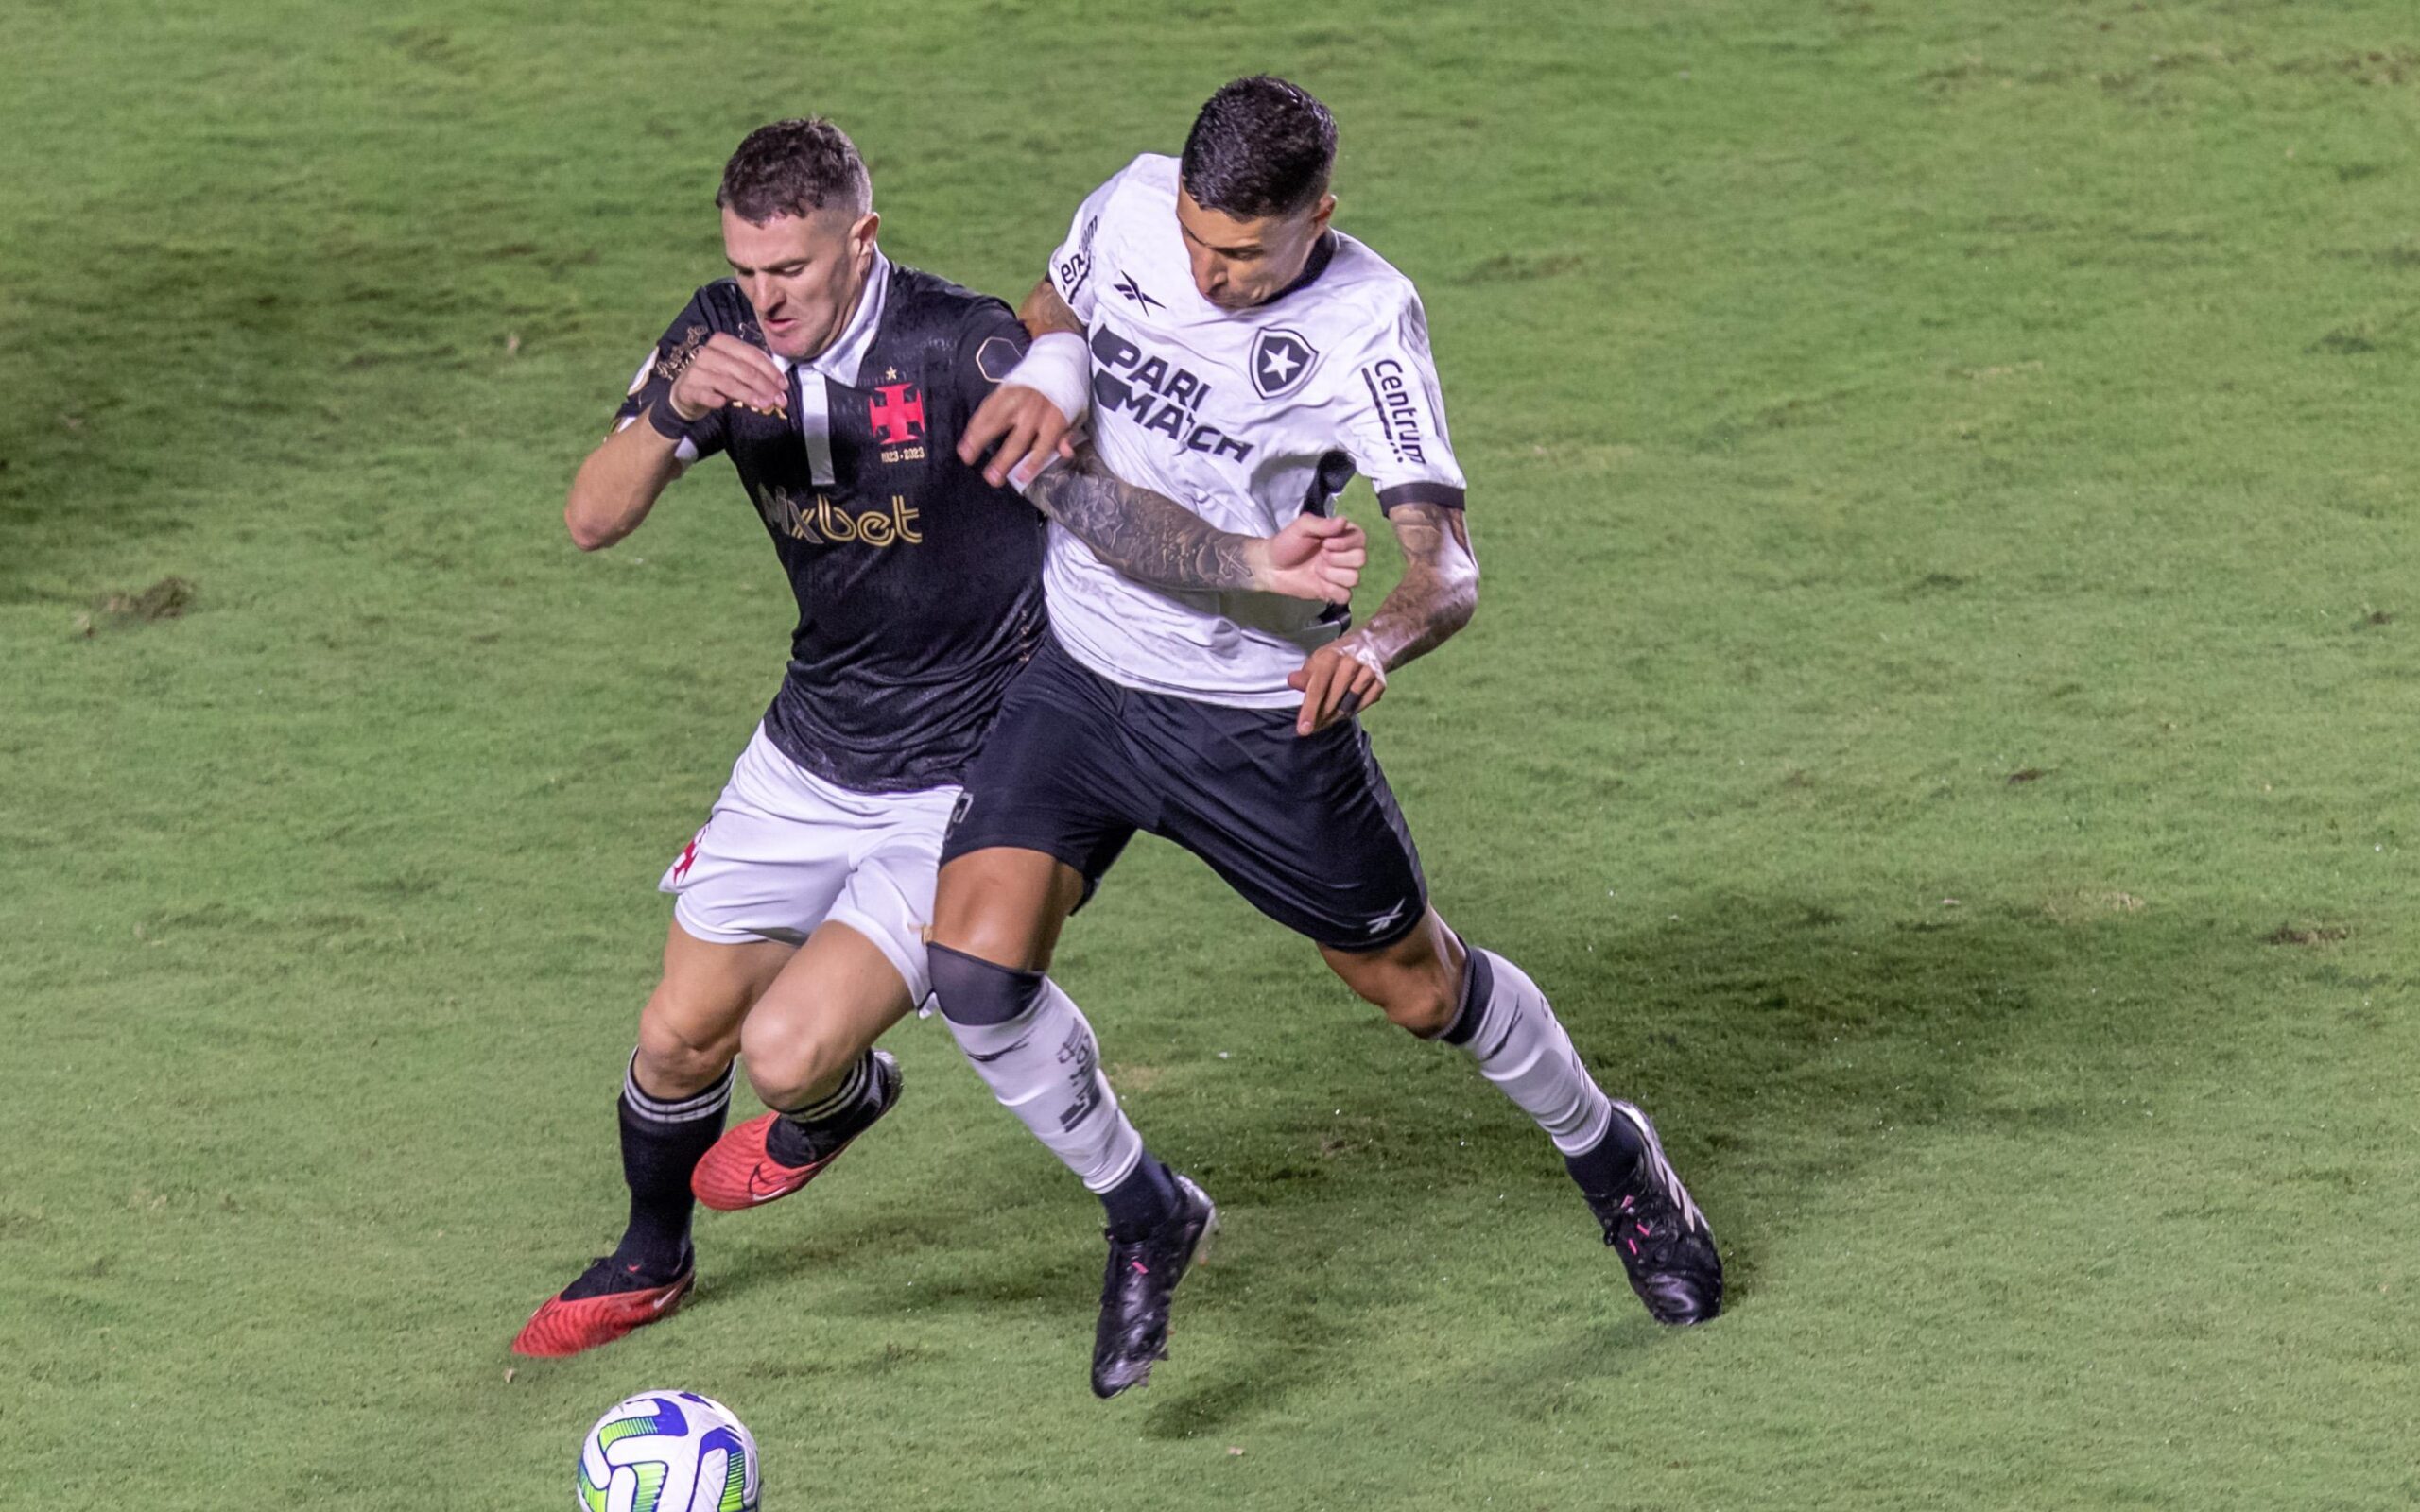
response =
{"points": [[756, 1185]]}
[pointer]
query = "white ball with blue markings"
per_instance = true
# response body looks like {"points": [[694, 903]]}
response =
{"points": [[668, 1451]]}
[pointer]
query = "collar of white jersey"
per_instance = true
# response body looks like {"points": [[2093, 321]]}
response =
{"points": [[1323, 253], [840, 361]]}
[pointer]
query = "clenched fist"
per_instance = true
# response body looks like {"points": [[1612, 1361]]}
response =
{"points": [[727, 370]]}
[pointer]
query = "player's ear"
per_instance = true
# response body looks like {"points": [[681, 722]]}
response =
{"points": [[861, 238], [1320, 217]]}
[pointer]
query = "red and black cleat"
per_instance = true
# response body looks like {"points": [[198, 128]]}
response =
{"points": [[566, 1324], [742, 1171]]}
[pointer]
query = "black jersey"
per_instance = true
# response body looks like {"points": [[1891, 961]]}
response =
{"points": [[918, 584]]}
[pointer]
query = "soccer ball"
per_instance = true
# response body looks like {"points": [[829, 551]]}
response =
{"points": [[668, 1451]]}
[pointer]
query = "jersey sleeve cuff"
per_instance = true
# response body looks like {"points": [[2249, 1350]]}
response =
{"points": [[1444, 495]]}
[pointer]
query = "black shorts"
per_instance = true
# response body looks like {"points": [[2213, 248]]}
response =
{"points": [[1304, 827]]}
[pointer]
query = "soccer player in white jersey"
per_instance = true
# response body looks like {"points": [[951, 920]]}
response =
{"points": [[1239, 356]]}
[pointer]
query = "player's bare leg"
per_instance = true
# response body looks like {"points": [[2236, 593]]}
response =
{"points": [[1432, 984], [809, 1051], [995, 921], [671, 1110]]}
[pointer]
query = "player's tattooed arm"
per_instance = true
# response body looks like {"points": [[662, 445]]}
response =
{"points": [[1436, 597], [1043, 312], [1154, 540], [1439, 593]]}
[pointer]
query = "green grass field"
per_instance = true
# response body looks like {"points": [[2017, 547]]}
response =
{"points": [[1940, 723]]}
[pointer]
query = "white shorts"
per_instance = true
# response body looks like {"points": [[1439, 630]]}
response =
{"points": [[785, 851]]}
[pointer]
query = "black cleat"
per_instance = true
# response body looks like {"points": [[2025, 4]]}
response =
{"points": [[1662, 1239], [1143, 1273]]}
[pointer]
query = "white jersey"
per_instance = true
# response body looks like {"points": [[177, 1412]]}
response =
{"points": [[1248, 418]]}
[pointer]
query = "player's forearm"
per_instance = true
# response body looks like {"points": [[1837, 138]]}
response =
{"points": [[1439, 592], [619, 484], [1144, 535]]}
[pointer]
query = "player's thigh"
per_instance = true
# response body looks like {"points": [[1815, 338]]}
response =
{"points": [[1303, 827], [837, 994], [864, 966], [773, 856], [1416, 981], [1006, 905], [1050, 803], [690, 1029]]}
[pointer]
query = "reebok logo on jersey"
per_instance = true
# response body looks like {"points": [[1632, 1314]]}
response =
{"points": [[1159, 397], [1281, 360], [1398, 414], [1133, 291]]}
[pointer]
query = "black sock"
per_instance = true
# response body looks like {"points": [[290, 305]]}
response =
{"points": [[803, 1136], [1610, 1169], [663, 1140], [1142, 1202]]}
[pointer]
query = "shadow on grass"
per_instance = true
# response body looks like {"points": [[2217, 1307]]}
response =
{"points": [[1783, 1046], [992, 1255]]}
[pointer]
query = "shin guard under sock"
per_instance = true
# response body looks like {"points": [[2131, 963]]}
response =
{"points": [[1509, 1028]]}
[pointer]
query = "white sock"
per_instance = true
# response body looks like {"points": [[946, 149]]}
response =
{"points": [[1045, 1067], [1511, 1031]]}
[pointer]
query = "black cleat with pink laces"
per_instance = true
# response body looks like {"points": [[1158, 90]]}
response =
{"points": [[1662, 1239], [1135, 1292]]}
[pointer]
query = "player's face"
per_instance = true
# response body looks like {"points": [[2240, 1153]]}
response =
{"points": [[802, 274], [1238, 263]]}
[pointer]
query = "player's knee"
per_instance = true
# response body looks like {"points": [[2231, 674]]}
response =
{"points": [[972, 990], [791, 1059], [676, 1059]]}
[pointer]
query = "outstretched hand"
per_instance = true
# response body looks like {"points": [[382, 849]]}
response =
{"points": [[1317, 557]]}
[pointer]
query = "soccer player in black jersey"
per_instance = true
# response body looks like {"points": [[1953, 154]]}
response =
{"points": [[838, 381]]}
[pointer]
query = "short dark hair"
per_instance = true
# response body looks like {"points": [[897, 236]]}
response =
{"points": [[791, 167], [1261, 147]]}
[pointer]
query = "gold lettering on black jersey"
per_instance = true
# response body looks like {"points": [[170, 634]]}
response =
{"points": [[669, 365], [824, 523]]}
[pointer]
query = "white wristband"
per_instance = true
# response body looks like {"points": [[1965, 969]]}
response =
{"points": [[1059, 366]]}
